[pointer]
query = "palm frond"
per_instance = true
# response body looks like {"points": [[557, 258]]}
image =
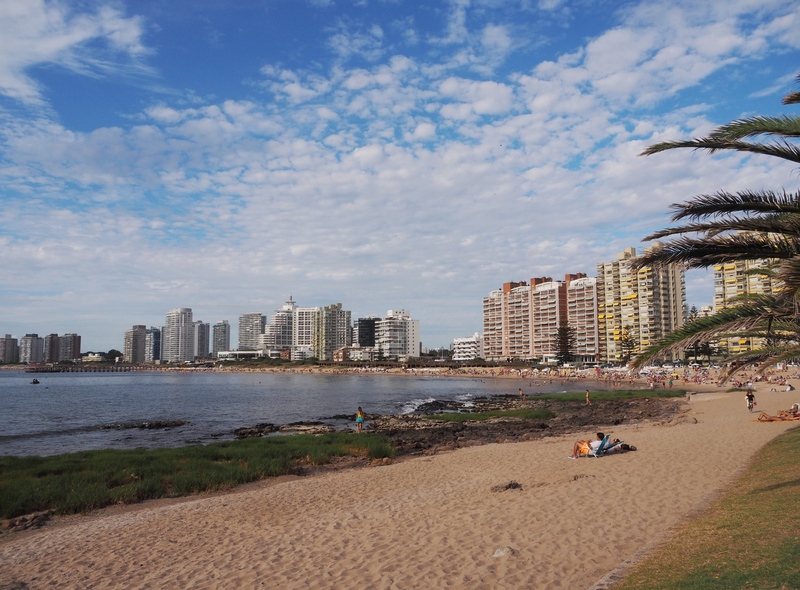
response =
{"points": [[749, 315], [705, 252], [783, 126], [747, 201], [770, 227], [778, 149]]}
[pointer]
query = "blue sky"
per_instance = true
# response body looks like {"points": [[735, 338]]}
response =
{"points": [[384, 154]]}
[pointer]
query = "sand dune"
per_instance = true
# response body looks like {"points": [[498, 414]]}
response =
{"points": [[431, 522]]}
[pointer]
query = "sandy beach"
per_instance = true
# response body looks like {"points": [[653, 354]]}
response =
{"points": [[423, 522]]}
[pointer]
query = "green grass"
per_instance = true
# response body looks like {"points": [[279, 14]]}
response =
{"points": [[80, 482], [749, 539], [524, 414], [614, 394]]}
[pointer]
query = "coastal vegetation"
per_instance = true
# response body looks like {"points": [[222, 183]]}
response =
{"points": [[749, 539], [84, 481]]}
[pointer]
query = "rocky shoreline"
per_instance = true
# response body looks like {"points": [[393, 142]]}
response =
{"points": [[413, 434]]}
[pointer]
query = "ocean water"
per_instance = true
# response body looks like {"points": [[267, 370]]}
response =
{"points": [[69, 412]]}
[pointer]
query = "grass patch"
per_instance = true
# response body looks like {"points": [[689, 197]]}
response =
{"points": [[524, 414], [614, 394], [750, 539], [80, 482]]}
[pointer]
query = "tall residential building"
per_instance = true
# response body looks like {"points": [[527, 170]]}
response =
{"points": [[152, 345], [31, 349], [548, 311], [177, 337], [134, 345], [636, 308], [743, 277], [69, 347], [9, 350], [278, 332], [305, 332], [336, 331], [51, 348], [582, 317], [202, 339], [251, 326], [397, 335], [467, 349], [364, 331], [221, 339], [521, 320]]}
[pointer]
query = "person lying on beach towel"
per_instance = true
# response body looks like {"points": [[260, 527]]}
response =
{"points": [[764, 417]]}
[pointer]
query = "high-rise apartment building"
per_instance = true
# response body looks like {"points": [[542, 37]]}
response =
{"points": [[51, 348], [177, 337], [9, 349], [743, 277], [278, 332], [548, 311], [31, 349], [364, 331], [336, 331], [521, 320], [397, 335], [69, 346], [582, 317], [251, 326], [202, 339], [221, 340], [134, 345], [152, 345], [636, 308], [305, 332]]}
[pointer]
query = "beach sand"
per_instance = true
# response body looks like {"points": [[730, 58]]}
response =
{"points": [[424, 522]]}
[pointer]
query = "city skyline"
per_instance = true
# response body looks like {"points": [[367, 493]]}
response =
{"points": [[409, 155]]}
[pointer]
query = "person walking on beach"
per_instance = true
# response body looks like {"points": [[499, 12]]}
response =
{"points": [[521, 394], [359, 420], [588, 401]]}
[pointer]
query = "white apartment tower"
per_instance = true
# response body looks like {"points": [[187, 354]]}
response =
{"points": [[397, 335], [548, 311], [305, 332], [251, 326], [177, 337], [582, 317], [278, 333]]}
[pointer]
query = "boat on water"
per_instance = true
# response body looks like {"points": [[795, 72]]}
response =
{"points": [[34, 381]]}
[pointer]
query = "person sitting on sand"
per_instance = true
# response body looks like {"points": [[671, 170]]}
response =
{"points": [[584, 447]]}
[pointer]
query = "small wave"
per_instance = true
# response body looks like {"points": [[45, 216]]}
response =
{"points": [[413, 405]]}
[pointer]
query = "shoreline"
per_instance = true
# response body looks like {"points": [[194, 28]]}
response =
{"points": [[429, 520]]}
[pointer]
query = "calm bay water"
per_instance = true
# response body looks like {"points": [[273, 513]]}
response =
{"points": [[70, 412]]}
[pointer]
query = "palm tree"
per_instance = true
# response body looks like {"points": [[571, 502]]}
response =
{"points": [[727, 227]]}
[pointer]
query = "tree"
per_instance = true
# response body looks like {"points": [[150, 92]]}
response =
{"points": [[747, 225], [565, 343], [627, 344]]}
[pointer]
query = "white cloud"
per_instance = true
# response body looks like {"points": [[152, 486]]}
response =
{"points": [[37, 32]]}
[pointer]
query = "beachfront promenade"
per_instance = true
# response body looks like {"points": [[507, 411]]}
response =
{"points": [[426, 522]]}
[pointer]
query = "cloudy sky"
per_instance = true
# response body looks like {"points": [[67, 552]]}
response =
{"points": [[386, 154]]}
